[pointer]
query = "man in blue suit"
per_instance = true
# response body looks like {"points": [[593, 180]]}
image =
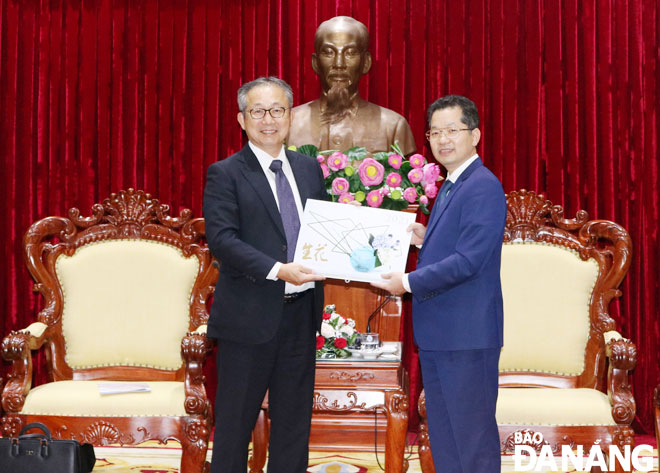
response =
{"points": [[457, 296], [266, 309]]}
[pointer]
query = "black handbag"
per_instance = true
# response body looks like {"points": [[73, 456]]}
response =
{"points": [[39, 453]]}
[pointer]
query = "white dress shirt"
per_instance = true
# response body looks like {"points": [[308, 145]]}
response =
{"points": [[451, 177], [265, 160]]}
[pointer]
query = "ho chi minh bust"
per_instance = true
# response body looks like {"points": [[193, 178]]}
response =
{"points": [[340, 119]]}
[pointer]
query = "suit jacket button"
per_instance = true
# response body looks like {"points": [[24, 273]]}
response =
{"points": [[284, 248]]}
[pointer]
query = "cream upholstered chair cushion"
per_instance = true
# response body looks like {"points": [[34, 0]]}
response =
{"points": [[548, 406], [126, 303], [546, 290], [82, 399]]}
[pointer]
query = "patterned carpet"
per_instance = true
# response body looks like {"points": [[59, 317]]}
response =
{"points": [[154, 458]]}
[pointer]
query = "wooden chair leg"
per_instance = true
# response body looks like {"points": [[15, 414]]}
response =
{"points": [[259, 443], [194, 445], [396, 410], [424, 446]]}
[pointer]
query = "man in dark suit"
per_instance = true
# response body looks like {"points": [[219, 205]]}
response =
{"points": [[457, 296], [266, 309]]}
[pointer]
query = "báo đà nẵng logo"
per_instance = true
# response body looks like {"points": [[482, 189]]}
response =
{"points": [[577, 457]]}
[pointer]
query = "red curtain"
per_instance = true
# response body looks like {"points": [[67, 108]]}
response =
{"points": [[102, 95]]}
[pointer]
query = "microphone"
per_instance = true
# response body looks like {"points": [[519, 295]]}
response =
{"points": [[373, 314]]}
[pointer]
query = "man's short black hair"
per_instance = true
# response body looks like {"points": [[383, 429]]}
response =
{"points": [[470, 115]]}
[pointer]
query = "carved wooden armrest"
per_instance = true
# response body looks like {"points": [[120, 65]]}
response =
{"points": [[622, 356], [16, 348], [195, 346]]}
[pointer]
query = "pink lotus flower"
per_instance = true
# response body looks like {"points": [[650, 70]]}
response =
{"points": [[346, 197], [431, 190], [393, 179], [417, 160], [431, 174], [395, 161], [371, 172], [415, 175], [337, 161], [325, 170], [320, 158], [410, 194], [374, 199], [340, 186], [423, 200]]}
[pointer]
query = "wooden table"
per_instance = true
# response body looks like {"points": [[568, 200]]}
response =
{"points": [[353, 400]]}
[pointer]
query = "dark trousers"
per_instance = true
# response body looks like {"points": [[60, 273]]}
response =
{"points": [[285, 367], [461, 396]]}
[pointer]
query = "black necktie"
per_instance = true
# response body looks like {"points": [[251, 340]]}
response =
{"points": [[288, 210], [444, 190]]}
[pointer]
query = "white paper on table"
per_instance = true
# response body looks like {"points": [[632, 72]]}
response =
{"points": [[122, 388], [353, 243]]}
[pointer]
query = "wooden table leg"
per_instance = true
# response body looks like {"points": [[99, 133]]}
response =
{"points": [[396, 410], [259, 443]]}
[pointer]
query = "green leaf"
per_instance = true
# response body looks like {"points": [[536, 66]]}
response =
{"points": [[309, 150], [378, 261], [355, 183], [381, 156], [357, 152], [397, 148]]}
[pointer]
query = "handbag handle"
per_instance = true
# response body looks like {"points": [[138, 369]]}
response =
{"points": [[36, 425]]}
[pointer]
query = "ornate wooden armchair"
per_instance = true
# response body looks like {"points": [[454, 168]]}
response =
{"points": [[125, 301], [564, 367]]}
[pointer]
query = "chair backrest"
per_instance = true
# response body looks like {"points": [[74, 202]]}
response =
{"points": [[558, 278], [122, 287]]}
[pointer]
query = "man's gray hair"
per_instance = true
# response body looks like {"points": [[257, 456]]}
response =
{"points": [[248, 86]]}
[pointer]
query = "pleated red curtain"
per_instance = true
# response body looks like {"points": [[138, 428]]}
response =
{"points": [[102, 95]]}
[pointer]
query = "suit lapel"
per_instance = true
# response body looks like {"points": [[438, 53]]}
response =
{"points": [[255, 177], [437, 212], [302, 180]]}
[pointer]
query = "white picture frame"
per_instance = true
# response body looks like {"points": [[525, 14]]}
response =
{"points": [[352, 243]]}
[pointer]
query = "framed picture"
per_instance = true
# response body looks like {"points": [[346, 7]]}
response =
{"points": [[342, 241]]}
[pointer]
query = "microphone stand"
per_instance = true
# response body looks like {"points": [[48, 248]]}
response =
{"points": [[380, 306]]}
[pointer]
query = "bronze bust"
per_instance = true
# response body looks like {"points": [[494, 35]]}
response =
{"points": [[340, 119]]}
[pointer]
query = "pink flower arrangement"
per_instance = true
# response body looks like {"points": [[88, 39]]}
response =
{"points": [[340, 186], [410, 194], [393, 179], [374, 198], [431, 174], [431, 190], [415, 175], [371, 172], [346, 197], [383, 179], [337, 161], [417, 160], [395, 160]]}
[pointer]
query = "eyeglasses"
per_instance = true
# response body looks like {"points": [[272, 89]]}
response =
{"points": [[259, 113], [450, 133]]}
